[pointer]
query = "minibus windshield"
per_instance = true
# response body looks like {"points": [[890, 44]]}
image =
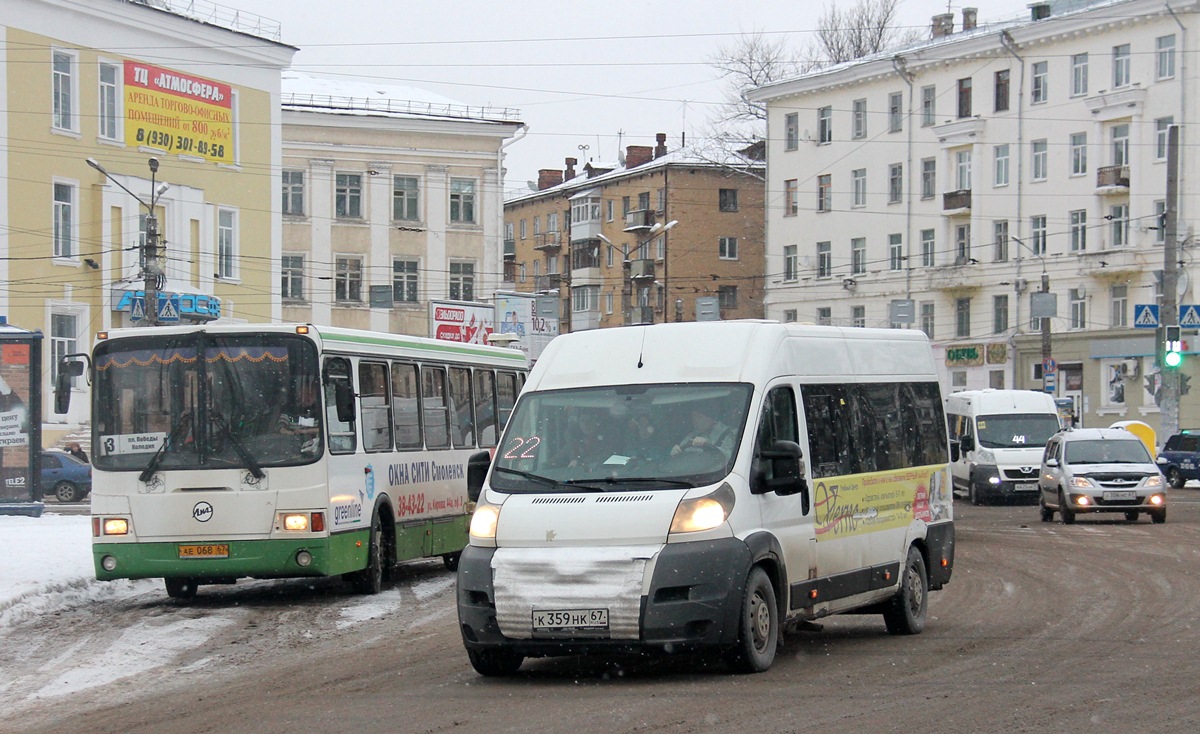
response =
{"points": [[622, 438], [1016, 430]]}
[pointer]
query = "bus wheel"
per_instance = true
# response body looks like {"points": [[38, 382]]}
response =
{"points": [[495, 663], [758, 626], [905, 615], [370, 579], [451, 561], [181, 588]]}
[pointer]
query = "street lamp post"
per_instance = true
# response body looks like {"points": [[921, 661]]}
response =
{"points": [[151, 270], [1045, 320]]}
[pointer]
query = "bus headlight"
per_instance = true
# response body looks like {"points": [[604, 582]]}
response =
{"points": [[484, 521], [116, 526], [296, 521], [703, 513]]}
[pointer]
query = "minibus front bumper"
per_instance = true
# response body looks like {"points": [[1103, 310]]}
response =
{"points": [[694, 601]]}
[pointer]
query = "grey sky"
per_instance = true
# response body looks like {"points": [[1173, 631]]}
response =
{"points": [[586, 73]]}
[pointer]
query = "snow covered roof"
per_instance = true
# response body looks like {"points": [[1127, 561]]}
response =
{"points": [[304, 92]]}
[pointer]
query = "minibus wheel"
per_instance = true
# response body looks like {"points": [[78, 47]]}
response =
{"points": [[905, 615], [450, 560], [495, 663], [758, 626]]}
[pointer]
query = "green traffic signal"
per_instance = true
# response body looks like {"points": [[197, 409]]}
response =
{"points": [[1173, 359]]}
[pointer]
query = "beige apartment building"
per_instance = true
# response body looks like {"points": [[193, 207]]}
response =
{"points": [[86, 118], [391, 199], [662, 236]]}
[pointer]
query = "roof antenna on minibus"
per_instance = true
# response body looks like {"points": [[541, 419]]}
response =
{"points": [[642, 348]]}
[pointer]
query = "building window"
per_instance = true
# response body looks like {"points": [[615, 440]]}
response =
{"points": [[1119, 214], [1078, 309], [824, 315], [999, 314], [1160, 222], [962, 317], [895, 183], [791, 263], [1120, 305], [63, 91], [962, 244], [1001, 167], [860, 119], [895, 112], [552, 222], [1120, 144], [927, 318], [727, 248], [291, 269], [791, 203], [462, 281], [824, 192], [727, 297], [609, 206], [1037, 238], [348, 196], [1120, 65], [404, 281], [1162, 127], [789, 315], [1079, 75], [858, 187], [64, 340], [293, 193], [661, 199], [824, 259], [727, 200], [825, 125], [928, 253], [858, 256], [1078, 230], [227, 244], [791, 131], [858, 316], [1164, 57], [928, 178], [626, 207], [964, 97], [1078, 154], [1000, 232], [347, 279], [585, 298], [462, 201], [608, 302], [963, 169], [537, 225], [609, 256], [1039, 160], [1040, 92], [64, 220], [928, 106], [110, 115], [1002, 90], [405, 199], [524, 229], [895, 252]]}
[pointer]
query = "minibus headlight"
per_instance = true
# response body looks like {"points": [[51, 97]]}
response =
{"points": [[116, 526], [484, 521], [703, 513]]}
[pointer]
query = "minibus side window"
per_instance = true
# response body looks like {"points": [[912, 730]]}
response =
{"points": [[820, 413], [778, 423]]}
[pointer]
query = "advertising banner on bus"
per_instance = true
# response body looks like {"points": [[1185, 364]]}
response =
{"points": [[468, 322]]}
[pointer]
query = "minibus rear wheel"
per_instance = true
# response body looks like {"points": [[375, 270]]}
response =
{"points": [[905, 615], [495, 663], [758, 626]]}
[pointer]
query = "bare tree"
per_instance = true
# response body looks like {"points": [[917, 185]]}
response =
{"points": [[848, 33]]}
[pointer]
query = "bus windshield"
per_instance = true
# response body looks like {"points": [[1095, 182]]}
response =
{"points": [[625, 437], [1016, 430], [252, 401]]}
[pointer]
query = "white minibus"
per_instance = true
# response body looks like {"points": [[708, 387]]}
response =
{"points": [[703, 486]]}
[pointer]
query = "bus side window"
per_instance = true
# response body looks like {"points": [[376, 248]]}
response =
{"points": [[343, 438], [506, 396], [435, 406], [374, 406], [462, 423], [406, 405], [485, 407]]}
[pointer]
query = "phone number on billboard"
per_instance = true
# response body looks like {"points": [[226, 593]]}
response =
{"points": [[180, 143]]}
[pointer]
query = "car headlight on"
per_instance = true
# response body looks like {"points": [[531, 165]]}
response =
{"points": [[484, 521], [1081, 482], [703, 513], [1154, 481]]}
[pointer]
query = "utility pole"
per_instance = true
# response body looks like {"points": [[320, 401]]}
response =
{"points": [[1169, 315]]}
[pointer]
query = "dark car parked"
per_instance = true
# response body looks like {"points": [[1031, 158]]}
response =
{"points": [[64, 477], [1179, 460]]}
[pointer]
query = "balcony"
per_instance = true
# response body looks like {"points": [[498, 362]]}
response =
{"points": [[547, 282], [956, 202], [510, 249], [641, 314], [639, 269], [1112, 180], [639, 219], [547, 241]]}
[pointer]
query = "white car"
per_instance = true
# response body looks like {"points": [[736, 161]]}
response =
{"points": [[1100, 470]]}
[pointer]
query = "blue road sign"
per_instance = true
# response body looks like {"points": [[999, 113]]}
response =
{"points": [[1145, 316], [168, 308], [1189, 316], [137, 311]]}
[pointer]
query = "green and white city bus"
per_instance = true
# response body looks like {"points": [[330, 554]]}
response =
{"points": [[272, 451]]}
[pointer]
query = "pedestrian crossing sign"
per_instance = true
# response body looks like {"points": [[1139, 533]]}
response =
{"points": [[1189, 316], [1145, 316]]}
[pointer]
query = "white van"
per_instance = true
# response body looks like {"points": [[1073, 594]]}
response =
{"points": [[703, 485], [996, 442]]}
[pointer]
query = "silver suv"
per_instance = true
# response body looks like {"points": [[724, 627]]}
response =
{"points": [[1100, 470]]}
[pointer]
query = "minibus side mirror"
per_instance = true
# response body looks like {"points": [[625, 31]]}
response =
{"points": [[477, 468], [68, 370], [786, 460], [343, 399], [966, 443]]}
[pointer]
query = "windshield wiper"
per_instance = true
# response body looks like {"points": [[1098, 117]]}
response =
{"points": [[545, 481], [238, 446], [611, 481], [152, 465]]}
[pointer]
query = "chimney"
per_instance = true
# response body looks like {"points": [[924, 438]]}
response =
{"points": [[661, 149], [548, 177], [943, 25], [636, 155], [570, 172], [970, 18]]}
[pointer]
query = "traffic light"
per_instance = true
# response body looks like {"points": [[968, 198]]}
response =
{"points": [[1173, 348], [1183, 383]]}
